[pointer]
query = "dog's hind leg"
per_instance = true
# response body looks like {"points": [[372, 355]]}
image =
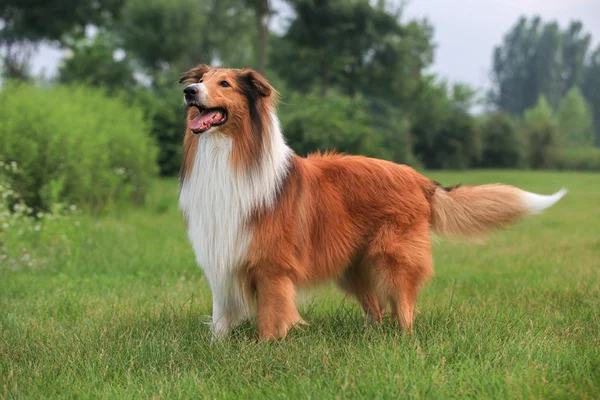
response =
{"points": [[401, 262], [357, 282]]}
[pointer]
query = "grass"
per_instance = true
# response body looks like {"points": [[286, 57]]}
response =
{"points": [[113, 307]]}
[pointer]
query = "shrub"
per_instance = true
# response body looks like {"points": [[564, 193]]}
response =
{"points": [[541, 131], [336, 123], [502, 145], [575, 120], [165, 112], [541, 138], [74, 145], [18, 221], [443, 131], [394, 129], [577, 159]]}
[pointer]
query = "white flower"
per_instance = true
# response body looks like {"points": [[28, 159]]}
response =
{"points": [[36, 228]]}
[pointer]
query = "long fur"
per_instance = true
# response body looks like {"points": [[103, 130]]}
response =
{"points": [[263, 221]]}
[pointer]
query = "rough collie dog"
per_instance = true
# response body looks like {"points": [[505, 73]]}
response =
{"points": [[264, 221]]}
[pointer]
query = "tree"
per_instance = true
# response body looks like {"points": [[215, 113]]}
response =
{"points": [[98, 62], [575, 120], [502, 147], [542, 112], [512, 65], [443, 132], [540, 130], [26, 23], [537, 58], [575, 46], [590, 89], [262, 13], [158, 32], [546, 78], [175, 34], [163, 109], [341, 123], [353, 47]]}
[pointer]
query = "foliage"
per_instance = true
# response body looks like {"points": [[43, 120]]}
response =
{"points": [[157, 31], [94, 62], [25, 23], [354, 47], [590, 89], [175, 34], [502, 145], [540, 113], [537, 58], [74, 145], [444, 133], [340, 123], [30, 20], [164, 111], [18, 220], [576, 159], [394, 128], [362, 54], [575, 120], [575, 45], [541, 131]]}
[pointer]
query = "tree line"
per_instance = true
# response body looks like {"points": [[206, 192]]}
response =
{"points": [[353, 75]]}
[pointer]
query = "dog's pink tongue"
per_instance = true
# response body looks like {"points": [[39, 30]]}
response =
{"points": [[202, 121]]}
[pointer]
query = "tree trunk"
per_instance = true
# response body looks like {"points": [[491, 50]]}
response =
{"points": [[262, 12]]}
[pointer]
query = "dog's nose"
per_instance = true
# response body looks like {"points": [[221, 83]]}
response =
{"points": [[190, 90]]}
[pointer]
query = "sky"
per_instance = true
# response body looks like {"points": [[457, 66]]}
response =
{"points": [[466, 32]]}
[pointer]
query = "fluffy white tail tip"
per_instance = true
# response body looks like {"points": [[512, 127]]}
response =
{"points": [[536, 203]]}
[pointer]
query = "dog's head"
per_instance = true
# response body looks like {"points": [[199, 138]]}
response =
{"points": [[225, 99]]}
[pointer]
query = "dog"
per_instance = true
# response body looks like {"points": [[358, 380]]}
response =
{"points": [[263, 221]]}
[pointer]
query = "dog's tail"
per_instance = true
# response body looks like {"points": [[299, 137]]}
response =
{"points": [[471, 211]]}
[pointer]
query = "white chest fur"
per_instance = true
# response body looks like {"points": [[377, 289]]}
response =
{"points": [[212, 200], [216, 201]]}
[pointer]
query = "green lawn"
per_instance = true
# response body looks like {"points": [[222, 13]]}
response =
{"points": [[114, 307]]}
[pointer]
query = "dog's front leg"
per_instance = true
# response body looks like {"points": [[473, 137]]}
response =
{"points": [[229, 307]]}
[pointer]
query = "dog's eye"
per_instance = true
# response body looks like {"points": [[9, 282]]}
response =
{"points": [[224, 83]]}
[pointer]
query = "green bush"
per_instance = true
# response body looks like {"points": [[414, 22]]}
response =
{"points": [[339, 123], [443, 131], [165, 112], [502, 145], [74, 145], [542, 142], [577, 159], [541, 131]]}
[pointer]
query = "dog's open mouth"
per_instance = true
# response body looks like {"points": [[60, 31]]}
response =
{"points": [[207, 118]]}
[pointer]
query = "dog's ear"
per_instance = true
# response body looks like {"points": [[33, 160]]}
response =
{"points": [[194, 74], [253, 83]]}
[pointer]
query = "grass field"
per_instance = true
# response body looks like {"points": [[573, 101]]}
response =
{"points": [[113, 307]]}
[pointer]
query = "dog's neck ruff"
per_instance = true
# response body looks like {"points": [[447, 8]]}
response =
{"points": [[217, 201]]}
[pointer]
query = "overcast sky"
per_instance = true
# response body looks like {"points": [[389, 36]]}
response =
{"points": [[465, 31]]}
